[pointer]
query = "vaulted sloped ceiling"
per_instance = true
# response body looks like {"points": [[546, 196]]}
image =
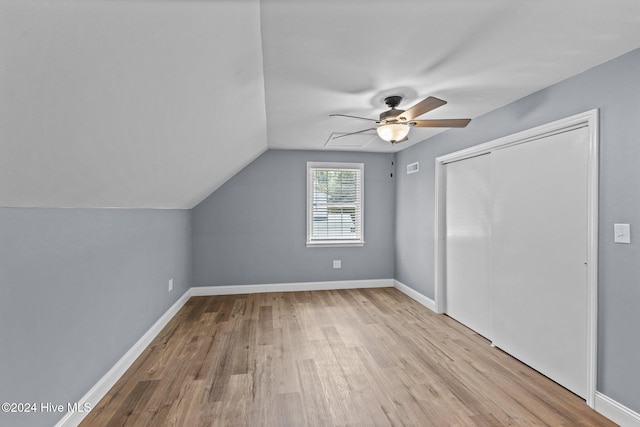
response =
{"points": [[127, 103], [156, 103]]}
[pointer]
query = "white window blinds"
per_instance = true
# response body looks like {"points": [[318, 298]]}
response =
{"points": [[334, 203]]}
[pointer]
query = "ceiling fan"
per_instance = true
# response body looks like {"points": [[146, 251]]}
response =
{"points": [[395, 124]]}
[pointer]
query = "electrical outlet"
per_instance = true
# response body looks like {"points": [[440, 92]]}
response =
{"points": [[170, 285], [337, 263]]}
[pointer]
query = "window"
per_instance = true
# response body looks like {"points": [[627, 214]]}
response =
{"points": [[334, 204]]}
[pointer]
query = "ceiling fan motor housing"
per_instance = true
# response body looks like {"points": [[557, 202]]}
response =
{"points": [[392, 102]]}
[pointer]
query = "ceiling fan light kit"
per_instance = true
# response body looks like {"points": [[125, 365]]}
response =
{"points": [[394, 124], [393, 132]]}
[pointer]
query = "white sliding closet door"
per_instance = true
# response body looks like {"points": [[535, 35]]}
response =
{"points": [[468, 233], [539, 255]]}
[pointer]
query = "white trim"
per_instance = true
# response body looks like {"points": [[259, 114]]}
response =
{"points": [[290, 287], [592, 254], [415, 295], [328, 242], [335, 243], [615, 411], [440, 235], [588, 119], [102, 387]]}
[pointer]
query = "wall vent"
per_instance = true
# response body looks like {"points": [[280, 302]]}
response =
{"points": [[413, 168]]}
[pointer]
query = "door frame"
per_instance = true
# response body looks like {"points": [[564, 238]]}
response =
{"points": [[587, 119]]}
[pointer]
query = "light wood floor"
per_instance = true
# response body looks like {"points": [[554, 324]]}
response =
{"points": [[368, 357]]}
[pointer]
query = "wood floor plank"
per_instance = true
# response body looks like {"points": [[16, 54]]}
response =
{"points": [[264, 385], [314, 394], [132, 406], [356, 357], [291, 411]]}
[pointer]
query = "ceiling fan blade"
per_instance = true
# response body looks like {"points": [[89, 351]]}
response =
{"points": [[353, 117], [422, 107], [441, 123], [353, 133]]}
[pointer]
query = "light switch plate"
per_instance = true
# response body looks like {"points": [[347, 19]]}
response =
{"points": [[622, 233], [337, 263]]}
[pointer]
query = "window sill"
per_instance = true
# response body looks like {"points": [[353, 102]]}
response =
{"points": [[335, 244]]}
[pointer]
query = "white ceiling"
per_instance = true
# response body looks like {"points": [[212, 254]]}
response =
{"points": [[156, 103]]}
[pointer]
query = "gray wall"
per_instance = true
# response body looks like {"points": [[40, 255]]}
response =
{"points": [[252, 230], [613, 88], [79, 288]]}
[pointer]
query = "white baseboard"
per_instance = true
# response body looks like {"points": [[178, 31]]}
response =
{"points": [[290, 287], [105, 383], [413, 294], [616, 412]]}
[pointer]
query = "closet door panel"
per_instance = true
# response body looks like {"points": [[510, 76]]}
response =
{"points": [[468, 219], [539, 251]]}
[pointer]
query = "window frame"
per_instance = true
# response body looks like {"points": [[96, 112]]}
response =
{"points": [[329, 242]]}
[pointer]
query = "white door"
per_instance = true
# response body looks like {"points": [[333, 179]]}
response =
{"points": [[539, 255], [468, 234]]}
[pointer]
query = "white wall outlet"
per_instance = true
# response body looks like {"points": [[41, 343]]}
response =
{"points": [[337, 263], [170, 285], [622, 233]]}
